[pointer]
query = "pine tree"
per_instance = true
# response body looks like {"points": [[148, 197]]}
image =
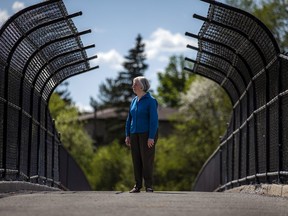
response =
{"points": [[118, 92]]}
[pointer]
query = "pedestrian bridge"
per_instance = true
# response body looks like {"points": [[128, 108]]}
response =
{"points": [[40, 47]]}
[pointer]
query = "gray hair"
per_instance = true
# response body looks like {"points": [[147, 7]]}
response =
{"points": [[143, 82]]}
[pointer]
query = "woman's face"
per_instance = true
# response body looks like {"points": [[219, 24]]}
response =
{"points": [[136, 86]]}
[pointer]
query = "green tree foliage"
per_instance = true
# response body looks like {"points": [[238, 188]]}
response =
{"points": [[62, 91], [205, 111], [247, 5], [118, 92], [273, 13], [172, 82], [112, 168], [202, 119], [73, 136]]}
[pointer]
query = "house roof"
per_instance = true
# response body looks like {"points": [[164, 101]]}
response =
{"points": [[164, 114]]}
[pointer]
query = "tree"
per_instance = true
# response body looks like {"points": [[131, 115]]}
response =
{"points": [[273, 13], [73, 136], [112, 168], [173, 82], [118, 92], [203, 115], [62, 91], [247, 5]]}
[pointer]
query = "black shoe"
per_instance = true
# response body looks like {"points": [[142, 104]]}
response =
{"points": [[149, 190], [135, 190]]}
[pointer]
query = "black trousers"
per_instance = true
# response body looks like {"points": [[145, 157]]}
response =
{"points": [[143, 159]]}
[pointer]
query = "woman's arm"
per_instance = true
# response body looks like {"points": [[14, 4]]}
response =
{"points": [[153, 114]]}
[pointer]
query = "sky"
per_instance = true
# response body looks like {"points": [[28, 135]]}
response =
{"points": [[115, 25]]}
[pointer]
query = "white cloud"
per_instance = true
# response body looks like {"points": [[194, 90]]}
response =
{"points": [[3, 16], [112, 59], [162, 42], [17, 6]]}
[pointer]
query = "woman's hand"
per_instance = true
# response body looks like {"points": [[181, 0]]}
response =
{"points": [[127, 141], [150, 143]]}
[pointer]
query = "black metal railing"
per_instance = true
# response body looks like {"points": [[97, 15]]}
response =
{"points": [[237, 51], [39, 48]]}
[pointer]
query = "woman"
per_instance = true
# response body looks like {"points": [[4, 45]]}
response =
{"points": [[141, 133]]}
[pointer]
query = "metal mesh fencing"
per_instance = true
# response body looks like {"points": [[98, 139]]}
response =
{"points": [[238, 52], [39, 48]]}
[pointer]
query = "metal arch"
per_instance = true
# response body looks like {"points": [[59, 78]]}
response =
{"points": [[238, 55], [60, 81], [262, 52], [235, 84], [18, 45], [78, 50], [267, 57], [218, 72], [235, 30], [63, 67], [16, 15], [50, 43], [31, 31], [193, 71], [33, 89], [30, 58], [11, 53], [39, 49], [260, 23], [221, 45], [225, 46], [6, 67], [224, 59], [46, 102]]}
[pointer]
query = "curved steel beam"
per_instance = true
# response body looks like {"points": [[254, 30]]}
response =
{"points": [[50, 43], [219, 72], [223, 59], [60, 81], [255, 45], [23, 11], [193, 71], [24, 73], [40, 98], [221, 45], [2, 30], [63, 67], [231, 65], [30, 31], [263, 26], [56, 57]]}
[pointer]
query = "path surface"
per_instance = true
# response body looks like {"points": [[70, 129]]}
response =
{"points": [[157, 203]]}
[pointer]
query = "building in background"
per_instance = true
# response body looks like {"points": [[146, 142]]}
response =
{"points": [[106, 125]]}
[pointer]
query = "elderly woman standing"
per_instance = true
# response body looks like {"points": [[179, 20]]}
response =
{"points": [[141, 133]]}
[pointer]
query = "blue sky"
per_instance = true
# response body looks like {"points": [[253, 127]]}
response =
{"points": [[115, 25]]}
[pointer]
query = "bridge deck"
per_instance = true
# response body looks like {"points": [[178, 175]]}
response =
{"points": [[157, 203]]}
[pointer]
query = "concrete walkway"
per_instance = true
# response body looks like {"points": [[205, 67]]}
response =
{"points": [[157, 203]]}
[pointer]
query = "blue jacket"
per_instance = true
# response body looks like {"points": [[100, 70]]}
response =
{"points": [[143, 116]]}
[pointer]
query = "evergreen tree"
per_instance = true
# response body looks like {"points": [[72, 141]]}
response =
{"points": [[118, 92]]}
